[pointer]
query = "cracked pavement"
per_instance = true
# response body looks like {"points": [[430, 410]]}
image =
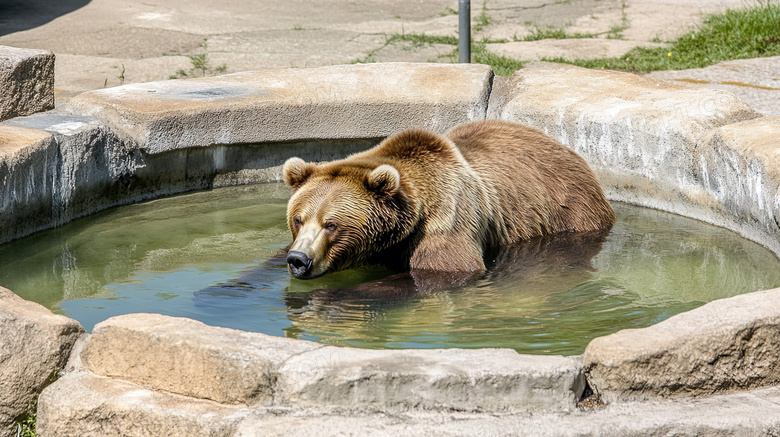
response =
{"points": [[105, 43]]}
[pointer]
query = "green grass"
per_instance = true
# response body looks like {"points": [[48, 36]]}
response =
{"points": [[419, 40], [616, 31], [483, 19], [551, 32], [734, 34], [415, 40], [502, 65], [26, 426], [448, 11], [201, 65]]}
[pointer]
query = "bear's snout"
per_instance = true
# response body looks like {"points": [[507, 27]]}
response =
{"points": [[299, 263]]}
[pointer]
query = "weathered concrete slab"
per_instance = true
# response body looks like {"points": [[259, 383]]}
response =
{"points": [[186, 357], [457, 379], [743, 414], [26, 81], [727, 345], [16, 141], [643, 137], [341, 102], [56, 168], [740, 168], [27, 179], [108, 407], [34, 346]]}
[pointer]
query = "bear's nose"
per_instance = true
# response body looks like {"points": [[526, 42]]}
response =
{"points": [[299, 263]]}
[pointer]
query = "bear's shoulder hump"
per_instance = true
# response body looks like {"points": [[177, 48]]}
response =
{"points": [[413, 142]]}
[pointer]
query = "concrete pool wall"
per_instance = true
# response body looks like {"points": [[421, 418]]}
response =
{"points": [[691, 151]]}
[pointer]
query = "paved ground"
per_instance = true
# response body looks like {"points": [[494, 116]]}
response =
{"points": [[105, 43], [754, 81]]}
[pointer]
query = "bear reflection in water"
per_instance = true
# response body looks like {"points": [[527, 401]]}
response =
{"points": [[535, 268], [540, 266]]}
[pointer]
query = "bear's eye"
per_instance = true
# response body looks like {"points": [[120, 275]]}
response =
{"points": [[297, 222], [331, 226]]}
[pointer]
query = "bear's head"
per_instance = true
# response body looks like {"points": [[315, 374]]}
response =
{"points": [[343, 214]]}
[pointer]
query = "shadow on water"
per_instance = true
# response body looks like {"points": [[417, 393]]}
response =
{"points": [[18, 15]]}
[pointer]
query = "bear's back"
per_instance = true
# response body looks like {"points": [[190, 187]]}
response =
{"points": [[539, 186]]}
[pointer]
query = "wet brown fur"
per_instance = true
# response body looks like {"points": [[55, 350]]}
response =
{"points": [[481, 185]]}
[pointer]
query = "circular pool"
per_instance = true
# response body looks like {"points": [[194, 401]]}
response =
{"points": [[213, 256]]}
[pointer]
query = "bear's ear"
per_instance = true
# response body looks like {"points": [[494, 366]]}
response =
{"points": [[384, 181], [296, 171]]}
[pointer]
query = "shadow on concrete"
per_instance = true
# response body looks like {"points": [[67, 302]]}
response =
{"points": [[18, 15]]}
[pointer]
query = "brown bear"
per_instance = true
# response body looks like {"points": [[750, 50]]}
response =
{"points": [[432, 203]]}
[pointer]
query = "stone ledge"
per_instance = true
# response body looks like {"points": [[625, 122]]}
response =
{"points": [[455, 379], [34, 346], [741, 170], [340, 102], [738, 415], [26, 81], [109, 408], [726, 345], [189, 358], [14, 140], [56, 168]]}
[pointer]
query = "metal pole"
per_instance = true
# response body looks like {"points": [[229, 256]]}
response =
{"points": [[464, 31]]}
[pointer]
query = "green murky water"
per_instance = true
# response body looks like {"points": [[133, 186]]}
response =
{"points": [[210, 256]]}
